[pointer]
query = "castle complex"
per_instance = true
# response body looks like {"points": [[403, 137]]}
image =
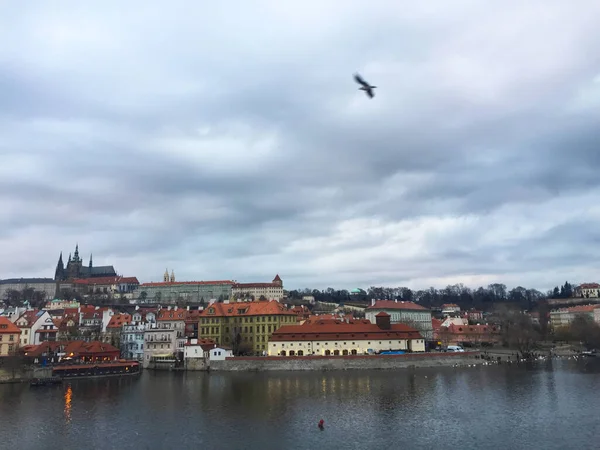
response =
{"points": [[76, 270]]}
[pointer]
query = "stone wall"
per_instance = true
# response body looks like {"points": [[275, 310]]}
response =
{"points": [[196, 364], [24, 374], [375, 362]]}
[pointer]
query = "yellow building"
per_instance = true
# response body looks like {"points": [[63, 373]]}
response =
{"points": [[244, 326], [333, 337], [9, 337]]}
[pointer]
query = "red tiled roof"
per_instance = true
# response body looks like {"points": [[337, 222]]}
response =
{"points": [[30, 316], [589, 286], [449, 305], [106, 280], [391, 304], [44, 347], [581, 308], [336, 330], [435, 323], [206, 344], [7, 327], [382, 314], [118, 320], [166, 314], [277, 278], [81, 348], [175, 283], [256, 308]]}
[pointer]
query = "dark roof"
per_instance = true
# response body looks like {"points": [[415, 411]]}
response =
{"points": [[100, 271], [27, 280]]}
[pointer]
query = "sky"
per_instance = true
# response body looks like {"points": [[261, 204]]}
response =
{"points": [[228, 140]]}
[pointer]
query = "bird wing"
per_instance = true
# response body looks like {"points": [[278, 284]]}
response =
{"points": [[370, 93], [360, 80]]}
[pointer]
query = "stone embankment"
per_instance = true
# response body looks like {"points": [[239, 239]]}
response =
{"points": [[325, 363], [24, 374]]}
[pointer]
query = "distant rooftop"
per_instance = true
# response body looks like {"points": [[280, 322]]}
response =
{"points": [[26, 280]]}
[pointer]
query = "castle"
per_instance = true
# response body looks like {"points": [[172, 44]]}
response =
{"points": [[76, 269]]}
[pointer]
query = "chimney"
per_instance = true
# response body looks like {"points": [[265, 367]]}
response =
{"points": [[187, 308], [137, 307], [396, 300], [382, 320], [226, 302], [175, 308], [372, 302]]}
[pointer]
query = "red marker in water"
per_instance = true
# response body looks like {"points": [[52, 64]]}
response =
{"points": [[321, 424]]}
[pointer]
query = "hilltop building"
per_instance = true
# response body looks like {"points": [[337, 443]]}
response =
{"points": [[76, 270]]}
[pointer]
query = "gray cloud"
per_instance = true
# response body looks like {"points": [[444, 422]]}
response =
{"points": [[237, 145]]}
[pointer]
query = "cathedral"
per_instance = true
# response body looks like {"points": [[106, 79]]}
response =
{"points": [[76, 269]]}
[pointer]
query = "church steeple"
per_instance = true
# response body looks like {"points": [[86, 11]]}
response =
{"points": [[90, 266], [172, 276], [76, 254], [69, 259], [166, 276], [60, 269]]}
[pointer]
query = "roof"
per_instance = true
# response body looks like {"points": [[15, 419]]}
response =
{"points": [[256, 308], [470, 329], [81, 348], [118, 320], [166, 314], [336, 330], [206, 344], [589, 286], [393, 304], [31, 317], [26, 280], [98, 271], [106, 280], [449, 305], [579, 308], [256, 285], [176, 283], [382, 314], [7, 327], [277, 278]]}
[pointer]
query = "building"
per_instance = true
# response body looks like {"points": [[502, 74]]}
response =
{"points": [[449, 309], [44, 287], [106, 287], [9, 337], [244, 326], [333, 337], [170, 291], [94, 351], [403, 312], [160, 346], [115, 328], [259, 291], [31, 323], [588, 290], [75, 269], [465, 334], [220, 353], [198, 348], [61, 304], [564, 316], [174, 319], [132, 340]]}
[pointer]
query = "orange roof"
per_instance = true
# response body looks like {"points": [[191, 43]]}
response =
{"points": [[106, 280], [337, 330], [277, 278], [166, 314], [435, 323], [590, 286], [391, 304], [7, 327], [581, 308], [175, 283], [257, 308], [44, 347], [382, 314], [81, 348], [118, 320], [449, 305]]}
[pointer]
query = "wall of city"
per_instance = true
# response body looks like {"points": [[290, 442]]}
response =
{"points": [[378, 362]]}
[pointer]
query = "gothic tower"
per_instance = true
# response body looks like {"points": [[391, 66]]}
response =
{"points": [[90, 265], [166, 276], [172, 280], [59, 273]]}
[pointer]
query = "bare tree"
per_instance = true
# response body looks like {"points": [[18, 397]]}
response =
{"points": [[518, 331]]}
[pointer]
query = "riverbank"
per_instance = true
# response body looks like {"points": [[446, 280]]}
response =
{"points": [[350, 362]]}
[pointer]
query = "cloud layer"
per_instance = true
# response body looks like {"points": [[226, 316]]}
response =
{"points": [[233, 143]]}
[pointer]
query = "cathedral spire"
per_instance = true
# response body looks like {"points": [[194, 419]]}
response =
{"points": [[60, 269], [172, 276], [166, 276], [69, 257], [76, 255], [90, 260]]}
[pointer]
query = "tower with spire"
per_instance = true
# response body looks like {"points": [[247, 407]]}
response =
{"points": [[75, 268], [166, 276], [59, 273], [172, 280]]}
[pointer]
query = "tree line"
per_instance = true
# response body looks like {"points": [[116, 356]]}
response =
{"points": [[482, 298]]}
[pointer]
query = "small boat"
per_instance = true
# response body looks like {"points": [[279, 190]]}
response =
{"points": [[589, 353], [45, 381]]}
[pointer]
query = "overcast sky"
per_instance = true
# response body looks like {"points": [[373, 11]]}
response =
{"points": [[228, 140]]}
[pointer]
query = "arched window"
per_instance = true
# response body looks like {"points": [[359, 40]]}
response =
{"points": [[300, 353], [292, 353], [327, 352], [336, 352], [354, 352], [345, 352], [282, 353]]}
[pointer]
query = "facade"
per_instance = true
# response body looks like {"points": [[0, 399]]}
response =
{"points": [[450, 309], [460, 334], [45, 285], [403, 312], [75, 269], [108, 287], [61, 304], [564, 316], [333, 337], [259, 291], [171, 291], [159, 346], [29, 323], [132, 341], [220, 353], [244, 326], [588, 290], [174, 319], [9, 337], [198, 348], [94, 351]]}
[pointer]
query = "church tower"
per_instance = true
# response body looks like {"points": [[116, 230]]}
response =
{"points": [[59, 273], [172, 276], [90, 265], [166, 276]]}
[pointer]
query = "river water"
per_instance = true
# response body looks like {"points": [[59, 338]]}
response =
{"points": [[546, 405]]}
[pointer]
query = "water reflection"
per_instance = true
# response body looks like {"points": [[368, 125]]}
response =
{"points": [[67, 410]]}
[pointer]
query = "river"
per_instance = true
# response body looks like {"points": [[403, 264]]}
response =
{"points": [[544, 405]]}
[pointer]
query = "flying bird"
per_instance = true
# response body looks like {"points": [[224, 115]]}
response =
{"points": [[365, 86]]}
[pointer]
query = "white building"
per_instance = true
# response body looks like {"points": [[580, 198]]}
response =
{"points": [[160, 345], [268, 291], [220, 353], [30, 322], [333, 337]]}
